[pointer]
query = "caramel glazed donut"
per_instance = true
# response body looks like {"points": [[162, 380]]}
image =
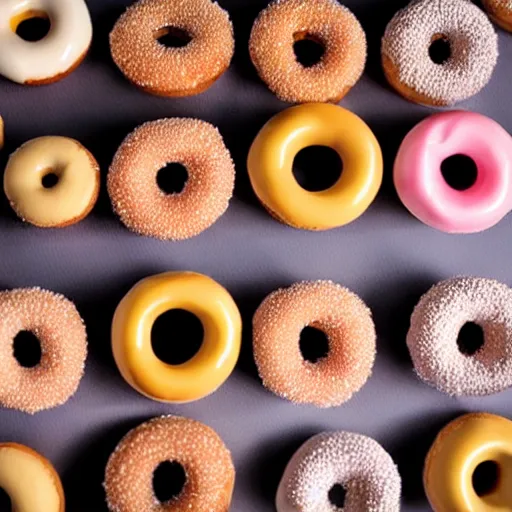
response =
{"points": [[472, 42], [203, 27], [500, 11], [207, 463], [358, 463]]}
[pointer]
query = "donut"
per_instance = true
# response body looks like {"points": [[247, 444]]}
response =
{"points": [[500, 12], [131, 336], [468, 36], [30, 480], [203, 27], [52, 182], [2, 133], [424, 191], [358, 463], [435, 325], [345, 320], [56, 323], [205, 459], [132, 180], [326, 22], [471, 443], [56, 55], [272, 153]]}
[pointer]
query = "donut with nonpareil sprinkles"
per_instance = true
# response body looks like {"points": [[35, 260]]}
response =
{"points": [[132, 180], [197, 448], [363, 469], [433, 335], [500, 11], [439, 52], [205, 45], [346, 322], [57, 325], [327, 23]]}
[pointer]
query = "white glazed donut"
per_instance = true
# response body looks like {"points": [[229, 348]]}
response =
{"points": [[54, 56], [356, 462]]}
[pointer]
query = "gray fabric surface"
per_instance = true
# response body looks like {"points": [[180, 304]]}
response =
{"points": [[386, 256]]}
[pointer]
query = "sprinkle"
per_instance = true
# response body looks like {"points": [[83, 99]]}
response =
{"points": [[350, 330], [356, 462]]}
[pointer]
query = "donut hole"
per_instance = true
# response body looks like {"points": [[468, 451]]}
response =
{"points": [[173, 37], [172, 178], [485, 478], [27, 349], [317, 168], [337, 495], [459, 171], [177, 336], [49, 180], [313, 344], [440, 49], [308, 49], [470, 339], [31, 26], [169, 479], [5, 501]]}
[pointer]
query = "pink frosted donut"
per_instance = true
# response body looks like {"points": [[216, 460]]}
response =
{"points": [[423, 189], [341, 315], [132, 180], [56, 323], [358, 463], [435, 325]]}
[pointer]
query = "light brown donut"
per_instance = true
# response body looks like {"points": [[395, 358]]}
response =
{"points": [[55, 321], [209, 470], [173, 71], [327, 22], [500, 11], [133, 189]]}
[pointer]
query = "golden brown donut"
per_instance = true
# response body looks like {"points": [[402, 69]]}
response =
{"points": [[500, 11]]}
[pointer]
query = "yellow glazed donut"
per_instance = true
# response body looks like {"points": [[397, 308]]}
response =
{"points": [[131, 336], [30, 480], [271, 158], [457, 452], [70, 194]]}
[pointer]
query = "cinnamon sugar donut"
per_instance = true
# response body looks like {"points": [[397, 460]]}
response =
{"points": [[205, 30], [358, 463], [133, 189], [465, 30], [435, 325], [333, 26], [56, 323], [341, 315], [500, 11], [207, 463]]}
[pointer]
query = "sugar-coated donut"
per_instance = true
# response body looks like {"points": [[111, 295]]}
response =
{"points": [[435, 325], [131, 336], [420, 183], [344, 319], [167, 71], [69, 198], [56, 323], [326, 22], [356, 462], [473, 51], [56, 55], [454, 457], [30, 480], [209, 469], [270, 164], [500, 11], [132, 179]]}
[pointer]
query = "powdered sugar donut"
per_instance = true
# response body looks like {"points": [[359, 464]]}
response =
{"points": [[345, 320], [471, 42], [500, 11], [435, 324], [356, 462], [132, 180], [56, 323], [326, 22]]}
